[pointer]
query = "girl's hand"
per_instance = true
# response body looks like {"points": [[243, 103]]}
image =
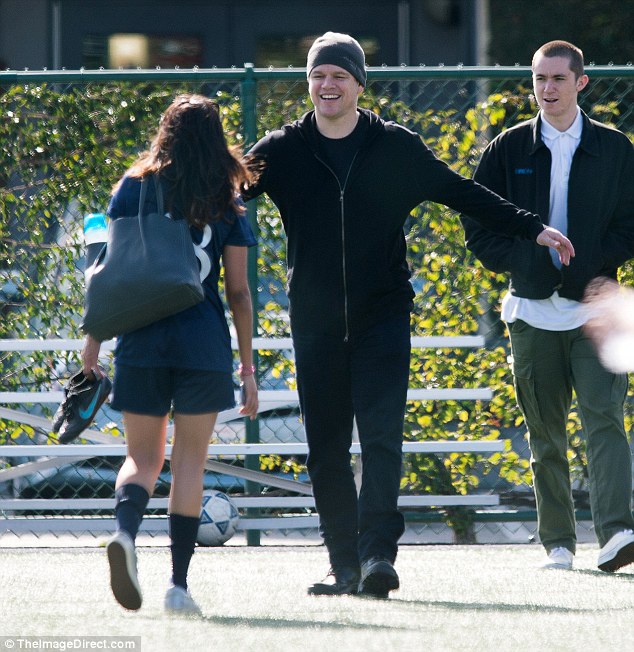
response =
{"points": [[90, 357], [249, 391]]}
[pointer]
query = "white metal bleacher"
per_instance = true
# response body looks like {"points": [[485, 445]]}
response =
{"points": [[105, 445]]}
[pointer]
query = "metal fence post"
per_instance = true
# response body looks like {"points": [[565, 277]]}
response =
{"points": [[249, 120]]}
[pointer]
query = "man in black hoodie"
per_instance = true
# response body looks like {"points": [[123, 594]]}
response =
{"points": [[345, 181]]}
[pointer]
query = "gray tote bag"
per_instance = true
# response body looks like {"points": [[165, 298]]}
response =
{"points": [[147, 270]]}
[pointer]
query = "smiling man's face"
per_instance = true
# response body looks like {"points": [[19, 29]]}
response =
{"points": [[334, 92], [556, 89]]}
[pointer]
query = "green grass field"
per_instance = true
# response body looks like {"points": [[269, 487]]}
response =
{"points": [[452, 598]]}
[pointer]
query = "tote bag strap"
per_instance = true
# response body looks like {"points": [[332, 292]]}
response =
{"points": [[159, 195]]}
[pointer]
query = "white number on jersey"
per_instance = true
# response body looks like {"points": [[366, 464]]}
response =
{"points": [[202, 255]]}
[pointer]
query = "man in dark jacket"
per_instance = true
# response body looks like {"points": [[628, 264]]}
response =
{"points": [[344, 182], [581, 174]]}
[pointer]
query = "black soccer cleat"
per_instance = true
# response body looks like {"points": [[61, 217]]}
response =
{"points": [[75, 384], [81, 404]]}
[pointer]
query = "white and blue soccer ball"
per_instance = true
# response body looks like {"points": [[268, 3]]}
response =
{"points": [[218, 519]]}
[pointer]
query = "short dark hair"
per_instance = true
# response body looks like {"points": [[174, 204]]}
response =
{"points": [[566, 50]]}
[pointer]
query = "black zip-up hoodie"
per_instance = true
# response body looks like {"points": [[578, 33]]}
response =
{"points": [[516, 164], [346, 251]]}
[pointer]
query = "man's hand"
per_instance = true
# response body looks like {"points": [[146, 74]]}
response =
{"points": [[550, 237]]}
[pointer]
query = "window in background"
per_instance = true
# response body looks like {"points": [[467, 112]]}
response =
{"points": [[139, 50]]}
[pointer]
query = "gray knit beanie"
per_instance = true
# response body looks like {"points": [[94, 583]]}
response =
{"points": [[338, 50]]}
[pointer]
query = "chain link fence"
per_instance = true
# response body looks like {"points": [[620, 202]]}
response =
{"points": [[65, 139]]}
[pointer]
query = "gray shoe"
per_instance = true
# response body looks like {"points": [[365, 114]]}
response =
{"points": [[378, 578], [123, 571], [179, 601]]}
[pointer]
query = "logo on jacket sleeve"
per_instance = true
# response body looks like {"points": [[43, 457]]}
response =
{"points": [[524, 170]]}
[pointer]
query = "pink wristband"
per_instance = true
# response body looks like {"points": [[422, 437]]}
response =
{"points": [[245, 370]]}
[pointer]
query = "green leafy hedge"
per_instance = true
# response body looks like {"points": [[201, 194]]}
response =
{"points": [[62, 149]]}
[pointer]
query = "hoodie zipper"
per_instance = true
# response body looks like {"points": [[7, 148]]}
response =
{"points": [[342, 190]]}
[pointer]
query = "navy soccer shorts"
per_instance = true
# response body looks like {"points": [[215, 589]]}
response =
{"points": [[155, 391]]}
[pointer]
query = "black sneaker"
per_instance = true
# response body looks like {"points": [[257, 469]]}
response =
{"points": [[378, 578], [75, 384], [340, 581], [82, 404]]}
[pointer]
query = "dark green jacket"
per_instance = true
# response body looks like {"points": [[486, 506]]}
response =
{"points": [[516, 165]]}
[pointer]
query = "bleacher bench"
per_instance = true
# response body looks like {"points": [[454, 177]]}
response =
{"points": [[105, 445]]}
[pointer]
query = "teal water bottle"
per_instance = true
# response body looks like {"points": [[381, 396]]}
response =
{"points": [[95, 235]]}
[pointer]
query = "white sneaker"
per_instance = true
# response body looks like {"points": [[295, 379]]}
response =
{"points": [[179, 601], [617, 552], [123, 571], [560, 558]]}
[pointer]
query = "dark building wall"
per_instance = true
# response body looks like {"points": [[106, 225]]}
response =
{"points": [[230, 30], [24, 34], [361, 19], [440, 33]]}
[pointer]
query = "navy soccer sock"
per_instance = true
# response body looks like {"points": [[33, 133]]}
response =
{"points": [[131, 501], [183, 531]]}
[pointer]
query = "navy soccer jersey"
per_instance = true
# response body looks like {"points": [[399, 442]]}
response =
{"points": [[196, 338]]}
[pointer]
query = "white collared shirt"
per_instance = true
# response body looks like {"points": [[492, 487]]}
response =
{"points": [[555, 313], [562, 146]]}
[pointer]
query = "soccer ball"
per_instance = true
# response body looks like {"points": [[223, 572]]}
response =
{"points": [[218, 519]]}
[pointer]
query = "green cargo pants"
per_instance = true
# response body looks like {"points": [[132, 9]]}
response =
{"points": [[547, 366]]}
